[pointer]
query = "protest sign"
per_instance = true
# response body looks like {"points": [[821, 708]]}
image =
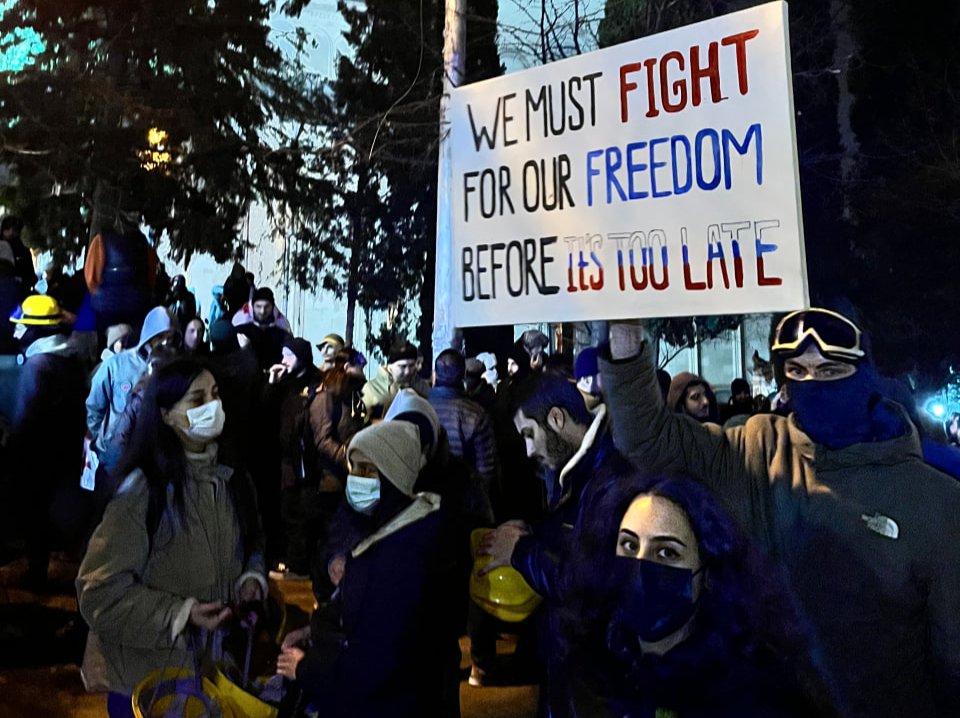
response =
{"points": [[653, 178]]}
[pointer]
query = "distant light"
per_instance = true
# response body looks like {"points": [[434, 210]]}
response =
{"points": [[936, 409]]}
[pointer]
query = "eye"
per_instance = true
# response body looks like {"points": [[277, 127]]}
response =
{"points": [[794, 371], [668, 553], [628, 546]]}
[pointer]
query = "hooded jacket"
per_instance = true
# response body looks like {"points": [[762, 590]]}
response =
{"points": [[115, 379], [869, 534], [678, 390]]}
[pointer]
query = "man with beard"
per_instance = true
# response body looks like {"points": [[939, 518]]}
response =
{"points": [[575, 453], [399, 373], [265, 326], [839, 492]]}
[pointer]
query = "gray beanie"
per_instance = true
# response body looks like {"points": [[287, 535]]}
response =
{"points": [[394, 448]]}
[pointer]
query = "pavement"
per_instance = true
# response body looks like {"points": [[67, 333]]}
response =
{"points": [[42, 638]]}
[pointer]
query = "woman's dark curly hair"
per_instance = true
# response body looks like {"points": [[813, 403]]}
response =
{"points": [[745, 607]]}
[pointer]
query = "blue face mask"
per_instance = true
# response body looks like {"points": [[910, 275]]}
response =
{"points": [[363, 494], [655, 600], [841, 413]]}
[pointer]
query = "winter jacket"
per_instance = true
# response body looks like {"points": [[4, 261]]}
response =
{"points": [[245, 316], [120, 272], [538, 554], [470, 434], [684, 684], [379, 392], [384, 651], [136, 594], [869, 534], [332, 424], [47, 427], [115, 379]]}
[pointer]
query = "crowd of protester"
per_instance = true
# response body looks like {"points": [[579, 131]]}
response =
{"points": [[687, 558]]}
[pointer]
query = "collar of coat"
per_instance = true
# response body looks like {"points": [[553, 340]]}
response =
{"points": [[588, 441], [423, 505]]}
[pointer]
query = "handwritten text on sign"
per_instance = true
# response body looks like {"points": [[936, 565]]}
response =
{"points": [[654, 178]]}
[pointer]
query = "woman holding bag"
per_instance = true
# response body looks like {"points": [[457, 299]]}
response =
{"points": [[179, 542]]}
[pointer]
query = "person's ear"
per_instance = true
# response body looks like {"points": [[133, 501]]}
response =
{"points": [[556, 418]]}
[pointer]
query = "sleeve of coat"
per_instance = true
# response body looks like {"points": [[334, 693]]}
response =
{"points": [[113, 600], [485, 449], [656, 439], [93, 264], [944, 617], [538, 565], [325, 439], [98, 400]]}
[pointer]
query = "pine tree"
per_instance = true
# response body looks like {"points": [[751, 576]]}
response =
{"points": [[383, 111], [180, 111]]}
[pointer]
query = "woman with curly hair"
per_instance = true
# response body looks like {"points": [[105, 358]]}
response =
{"points": [[668, 610]]}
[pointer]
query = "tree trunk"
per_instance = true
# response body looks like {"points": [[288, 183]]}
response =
{"points": [[356, 247]]}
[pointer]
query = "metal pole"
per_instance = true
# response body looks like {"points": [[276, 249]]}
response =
{"points": [[454, 33]]}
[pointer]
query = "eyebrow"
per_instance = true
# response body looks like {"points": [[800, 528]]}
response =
{"points": [[668, 537], [629, 533]]}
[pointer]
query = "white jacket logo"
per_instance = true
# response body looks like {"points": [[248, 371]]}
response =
{"points": [[883, 525]]}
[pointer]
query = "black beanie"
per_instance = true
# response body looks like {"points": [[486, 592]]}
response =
{"points": [[402, 350]]}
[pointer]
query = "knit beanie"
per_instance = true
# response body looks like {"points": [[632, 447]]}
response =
{"points": [[394, 448], [402, 350], [586, 363]]}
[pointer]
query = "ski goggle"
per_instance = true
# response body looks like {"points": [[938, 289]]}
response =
{"points": [[835, 335]]}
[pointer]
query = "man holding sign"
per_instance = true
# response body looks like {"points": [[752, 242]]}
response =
{"points": [[839, 492]]}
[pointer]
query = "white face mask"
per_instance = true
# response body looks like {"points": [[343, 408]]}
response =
{"points": [[206, 422], [363, 494]]}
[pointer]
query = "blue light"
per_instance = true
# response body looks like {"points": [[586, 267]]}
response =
{"points": [[936, 409]]}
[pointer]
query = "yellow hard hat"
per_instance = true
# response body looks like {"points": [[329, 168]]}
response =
{"points": [[39, 310], [502, 593]]}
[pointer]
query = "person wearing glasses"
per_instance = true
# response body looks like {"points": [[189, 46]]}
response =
{"points": [[839, 493]]}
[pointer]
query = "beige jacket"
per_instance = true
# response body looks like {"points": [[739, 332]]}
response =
{"points": [[137, 600], [379, 392]]}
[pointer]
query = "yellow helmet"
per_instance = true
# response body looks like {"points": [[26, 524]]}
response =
{"points": [[39, 310], [502, 593]]}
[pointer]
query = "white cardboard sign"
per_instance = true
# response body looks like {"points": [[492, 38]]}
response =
{"points": [[654, 178]]}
